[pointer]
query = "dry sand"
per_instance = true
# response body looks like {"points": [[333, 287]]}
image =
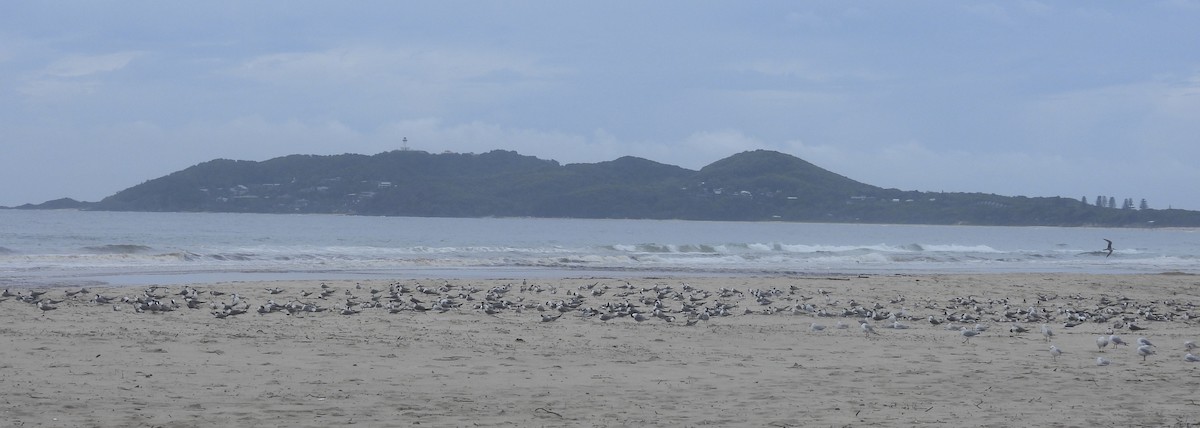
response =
{"points": [[86, 364]]}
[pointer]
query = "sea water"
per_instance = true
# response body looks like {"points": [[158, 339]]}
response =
{"points": [[67, 247]]}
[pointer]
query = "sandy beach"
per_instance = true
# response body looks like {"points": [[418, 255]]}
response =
{"points": [[545, 357]]}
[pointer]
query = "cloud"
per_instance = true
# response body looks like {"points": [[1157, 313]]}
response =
{"points": [[788, 68], [71, 76], [374, 83], [1008, 12], [379, 66], [83, 65], [1120, 120]]}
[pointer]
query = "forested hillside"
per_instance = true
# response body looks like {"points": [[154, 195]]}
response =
{"points": [[750, 186]]}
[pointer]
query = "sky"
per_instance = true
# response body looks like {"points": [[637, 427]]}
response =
{"points": [[1012, 97]]}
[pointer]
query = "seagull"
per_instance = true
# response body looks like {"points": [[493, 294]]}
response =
{"points": [[1055, 352], [1109, 248], [637, 316], [1144, 351], [867, 329], [1101, 361], [1116, 340], [1101, 342], [1017, 329], [841, 325], [549, 318], [1191, 358], [1046, 331], [967, 333], [816, 327], [1189, 345], [1144, 342]]}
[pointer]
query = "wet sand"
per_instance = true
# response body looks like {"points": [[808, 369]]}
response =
{"points": [[86, 364]]}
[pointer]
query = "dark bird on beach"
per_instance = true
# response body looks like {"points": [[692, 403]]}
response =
{"points": [[1109, 248]]}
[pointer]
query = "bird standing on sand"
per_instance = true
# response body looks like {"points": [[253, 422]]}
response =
{"points": [[1047, 332], [1055, 352], [1101, 342], [1144, 351], [45, 307], [967, 333], [1116, 340], [1109, 248], [867, 329]]}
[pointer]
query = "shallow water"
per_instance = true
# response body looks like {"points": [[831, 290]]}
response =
{"points": [[80, 247]]}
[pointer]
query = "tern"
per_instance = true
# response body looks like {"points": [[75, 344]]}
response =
{"points": [[1109, 248], [45, 307]]}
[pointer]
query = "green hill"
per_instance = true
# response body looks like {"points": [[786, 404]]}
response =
{"points": [[750, 186]]}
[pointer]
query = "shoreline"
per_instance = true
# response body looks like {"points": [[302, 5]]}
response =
{"points": [[182, 278], [86, 364]]}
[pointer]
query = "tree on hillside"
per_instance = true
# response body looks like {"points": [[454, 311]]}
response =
{"points": [[1143, 205]]}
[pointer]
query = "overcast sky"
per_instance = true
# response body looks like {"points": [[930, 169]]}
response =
{"points": [[1035, 98]]}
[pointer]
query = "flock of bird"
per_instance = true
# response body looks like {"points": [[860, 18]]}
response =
{"points": [[615, 300]]}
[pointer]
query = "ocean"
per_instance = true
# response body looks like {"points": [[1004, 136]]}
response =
{"points": [[65, 247]]}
